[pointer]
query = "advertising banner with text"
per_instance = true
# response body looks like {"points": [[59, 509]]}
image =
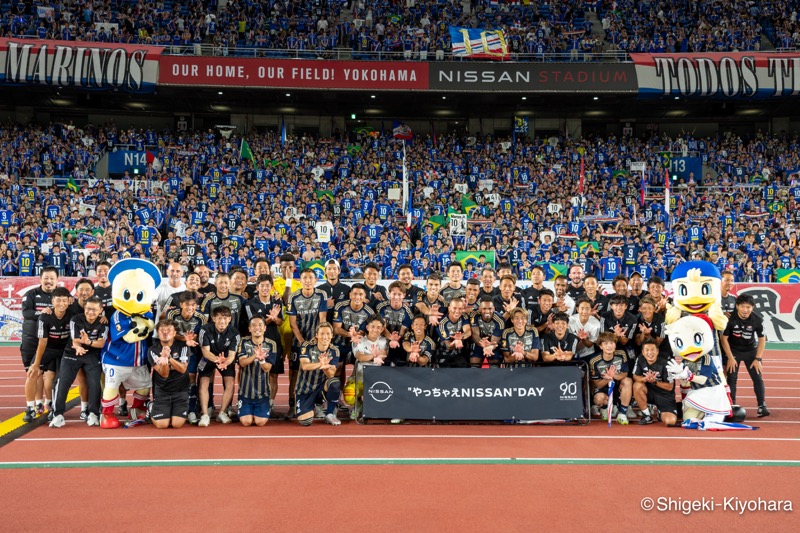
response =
{"points": [[292, 73], [86, 65], [533, 77], [722, 75], [537, 393]]}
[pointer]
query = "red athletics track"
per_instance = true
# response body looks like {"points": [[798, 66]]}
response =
{"points": [[430, 477]]}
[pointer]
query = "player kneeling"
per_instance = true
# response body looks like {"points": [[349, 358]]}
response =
{"points": [[169, 358], [256, 356], [650, 386], [610, 364], [316, 383]]}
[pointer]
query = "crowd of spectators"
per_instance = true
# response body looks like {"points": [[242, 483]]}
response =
{"points": [[683, 25], [411, 28], [206, 206]]}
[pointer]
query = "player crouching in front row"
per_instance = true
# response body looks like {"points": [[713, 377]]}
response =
{"points": [[170, 360], [256, 356], [651, 386], [317, 381], [610, 364]]}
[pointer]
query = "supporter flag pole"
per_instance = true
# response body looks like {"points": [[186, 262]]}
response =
{"points": [[283, 131], [406, 192], [666, 195]]}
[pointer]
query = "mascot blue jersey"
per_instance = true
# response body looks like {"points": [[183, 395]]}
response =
{"points": [[124, 353]]}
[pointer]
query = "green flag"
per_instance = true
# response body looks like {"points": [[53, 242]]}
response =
{"points": [[244, 151], [620, 174], [437, 222], [585, 246], [788, 275], [551, 270], [474, 256], [71, 185], [325, 195], [469, 207], [317, 266]]}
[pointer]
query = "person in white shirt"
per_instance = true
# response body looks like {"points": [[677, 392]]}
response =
{"points": [[170, 285], [586, 327]]}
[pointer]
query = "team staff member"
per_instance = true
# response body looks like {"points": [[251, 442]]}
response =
{"points": [[743, 341], [53, 334], [256, 355], [307, 309], [188, 321], [36, 301], [169, 358], [317, 382], [336, 291], [218, 342], [88, 335], [651, 385]]}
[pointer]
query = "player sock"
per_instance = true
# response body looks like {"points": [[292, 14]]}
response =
{"points": [[623, 409], [30, 404], [332, 395], [646, 412], [84, 406], [193, 398], [110, 405]]}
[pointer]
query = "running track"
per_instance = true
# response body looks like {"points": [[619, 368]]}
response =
{"points": [[401, 478]]}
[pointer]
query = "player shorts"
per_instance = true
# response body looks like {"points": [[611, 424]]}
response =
{"points": [[346, 354], [664, 401], [194, 359], [294, 358], [27, 358], [306, 402], [133, 377], [258, 408], [50, 361], [164, 405], [279, 366], [205, 369]]}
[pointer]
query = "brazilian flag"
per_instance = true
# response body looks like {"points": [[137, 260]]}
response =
{"points": [[666, 159], [585, 246], [620, 174], [469, 207], [324, 195], [552, 270], [474, 256], [788, 275], [71, 185], [317, 266], [437, 222]]}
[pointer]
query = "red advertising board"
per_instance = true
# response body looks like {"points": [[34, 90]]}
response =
{"points": [[291, 73]]}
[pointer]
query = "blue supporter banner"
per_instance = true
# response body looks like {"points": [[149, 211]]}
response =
{"points": [[122, 160], [681, 167], [534, 393]]}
